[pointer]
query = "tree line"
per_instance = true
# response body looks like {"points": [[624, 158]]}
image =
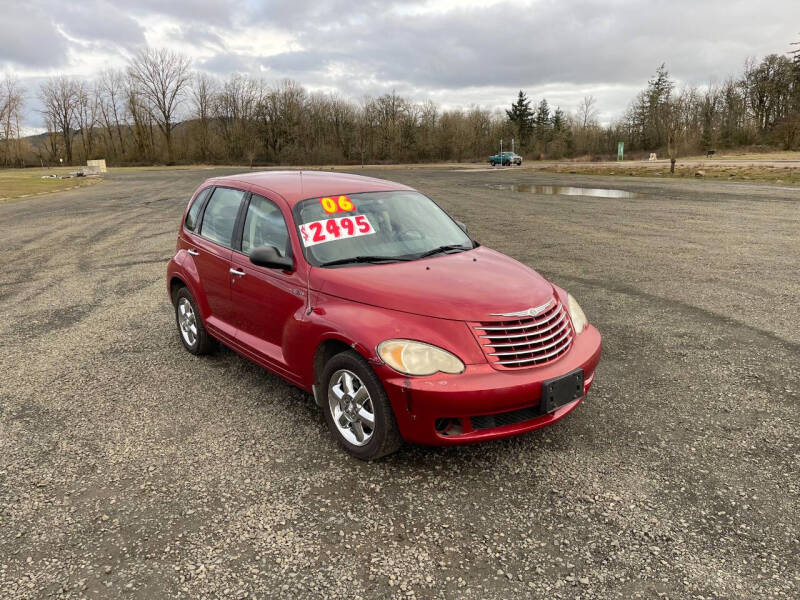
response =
{"points": [[158, 110]]}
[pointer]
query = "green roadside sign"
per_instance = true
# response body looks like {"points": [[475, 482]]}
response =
{"points": [[620, 150]]}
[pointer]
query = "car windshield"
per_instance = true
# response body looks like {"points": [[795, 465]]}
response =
{"points": [[375, 227]]}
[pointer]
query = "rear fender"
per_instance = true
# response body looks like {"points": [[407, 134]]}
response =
{"points": [[183, 267]]}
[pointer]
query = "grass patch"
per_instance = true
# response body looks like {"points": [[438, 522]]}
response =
{"points": [[744, 155], [19, 183]]}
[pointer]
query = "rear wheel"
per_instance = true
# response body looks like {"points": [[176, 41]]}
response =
{"points": [[357, 408], [193, 334], [491, 162]]}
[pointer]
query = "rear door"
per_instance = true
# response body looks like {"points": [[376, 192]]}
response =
{"points": [[212, 254]]}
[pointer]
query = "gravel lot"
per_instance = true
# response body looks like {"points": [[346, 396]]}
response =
{"points": [[129, 468]]}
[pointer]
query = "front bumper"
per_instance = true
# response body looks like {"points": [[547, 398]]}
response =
{"points": [[484, 403]]}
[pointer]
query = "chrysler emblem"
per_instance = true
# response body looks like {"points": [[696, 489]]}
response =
{"points": [[531, 312]]}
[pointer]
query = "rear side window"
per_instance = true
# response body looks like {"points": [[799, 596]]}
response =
{"points": [[219, 217], [194, 211], [264, 226]]}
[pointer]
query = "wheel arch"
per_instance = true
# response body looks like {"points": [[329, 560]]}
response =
{"points": [[182, 272], [326, 349], [175, 284]]}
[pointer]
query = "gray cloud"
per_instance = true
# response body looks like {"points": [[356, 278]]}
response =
{"points": [[216, 12], [226, 63], [30, 39], [98, 21], [201, 36], [458, 54], [577, 42]]}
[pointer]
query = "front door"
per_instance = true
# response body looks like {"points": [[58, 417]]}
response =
{"points": [[268, 301]]}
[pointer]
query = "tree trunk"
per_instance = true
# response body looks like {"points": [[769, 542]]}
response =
{"points": [[671, 152]]}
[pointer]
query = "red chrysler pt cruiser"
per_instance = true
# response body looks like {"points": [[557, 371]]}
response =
{"points": [[367, 294]]}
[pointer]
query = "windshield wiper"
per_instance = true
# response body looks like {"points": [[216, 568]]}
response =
{"points": [[363, 259], [444, 249]]}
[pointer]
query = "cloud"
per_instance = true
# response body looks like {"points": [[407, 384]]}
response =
{"points": [[227, 63], [216, 12], [304, 61], [457, 52], [98, 21], [201, 36], [543, 42], [30, 39]]}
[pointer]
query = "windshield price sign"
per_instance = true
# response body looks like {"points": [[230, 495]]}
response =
{"points": [[339, 228], [334, 205]]}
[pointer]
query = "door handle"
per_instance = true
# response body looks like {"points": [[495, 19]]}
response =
{"points": [[193, 252], [235, 272]]}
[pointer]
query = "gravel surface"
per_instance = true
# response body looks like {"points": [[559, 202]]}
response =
{"points": [[129, 468]]}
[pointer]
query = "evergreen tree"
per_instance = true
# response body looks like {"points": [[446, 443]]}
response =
{"points": [[558, 121], [521, 116], [561, 134], [657, 105], [542, 122]]}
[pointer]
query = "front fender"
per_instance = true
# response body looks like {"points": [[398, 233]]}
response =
{"points": [[363, 327]]}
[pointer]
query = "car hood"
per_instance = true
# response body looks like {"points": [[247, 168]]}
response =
{"points": [[466, 286]]}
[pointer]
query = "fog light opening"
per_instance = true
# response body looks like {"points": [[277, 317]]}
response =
{"points": [[448, 427]]}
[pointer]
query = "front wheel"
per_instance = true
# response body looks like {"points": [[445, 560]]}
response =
{"points": [[357, 408], [492, 163]]}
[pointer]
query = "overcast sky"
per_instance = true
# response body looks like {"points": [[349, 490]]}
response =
{"points": [[457, 52]]}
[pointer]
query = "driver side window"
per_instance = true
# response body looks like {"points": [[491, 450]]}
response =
{"points": [[264, 226]]}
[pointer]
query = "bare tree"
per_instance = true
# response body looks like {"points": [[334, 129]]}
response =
{"points": [[234, 108], [141, 121], [87, 113], [60, 97], [12, 96], [162, 77], [203, 94], [111, 86], [587, 111], [280, 113]]}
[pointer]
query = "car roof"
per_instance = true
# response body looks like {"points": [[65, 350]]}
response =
{"points": [[298, 185]]}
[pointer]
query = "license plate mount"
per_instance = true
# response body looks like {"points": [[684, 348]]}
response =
{"points": [[561, 390]]}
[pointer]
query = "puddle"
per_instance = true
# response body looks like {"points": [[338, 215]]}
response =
{"points": [[563, 190]]}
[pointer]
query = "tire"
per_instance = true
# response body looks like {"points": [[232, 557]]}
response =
{"points": [[193, 334], [345, 402], [491, 162]]}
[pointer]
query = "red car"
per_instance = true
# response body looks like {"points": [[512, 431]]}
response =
{"points": [[368, 295]]}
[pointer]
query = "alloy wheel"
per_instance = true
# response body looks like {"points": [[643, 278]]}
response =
{"points": [[351, 407], [187, 321]]}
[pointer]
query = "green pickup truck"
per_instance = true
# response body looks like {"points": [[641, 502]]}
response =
{"points": [[505, 159]]}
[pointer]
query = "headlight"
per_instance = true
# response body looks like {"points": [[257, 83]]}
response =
{"points": [[579, 320], [417, 358]]}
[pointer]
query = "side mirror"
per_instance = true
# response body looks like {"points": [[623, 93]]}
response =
{"points": [[268, 256], [463, 226]]}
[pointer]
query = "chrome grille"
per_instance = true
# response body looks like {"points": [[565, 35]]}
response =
{"points": [[526, 341]]}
